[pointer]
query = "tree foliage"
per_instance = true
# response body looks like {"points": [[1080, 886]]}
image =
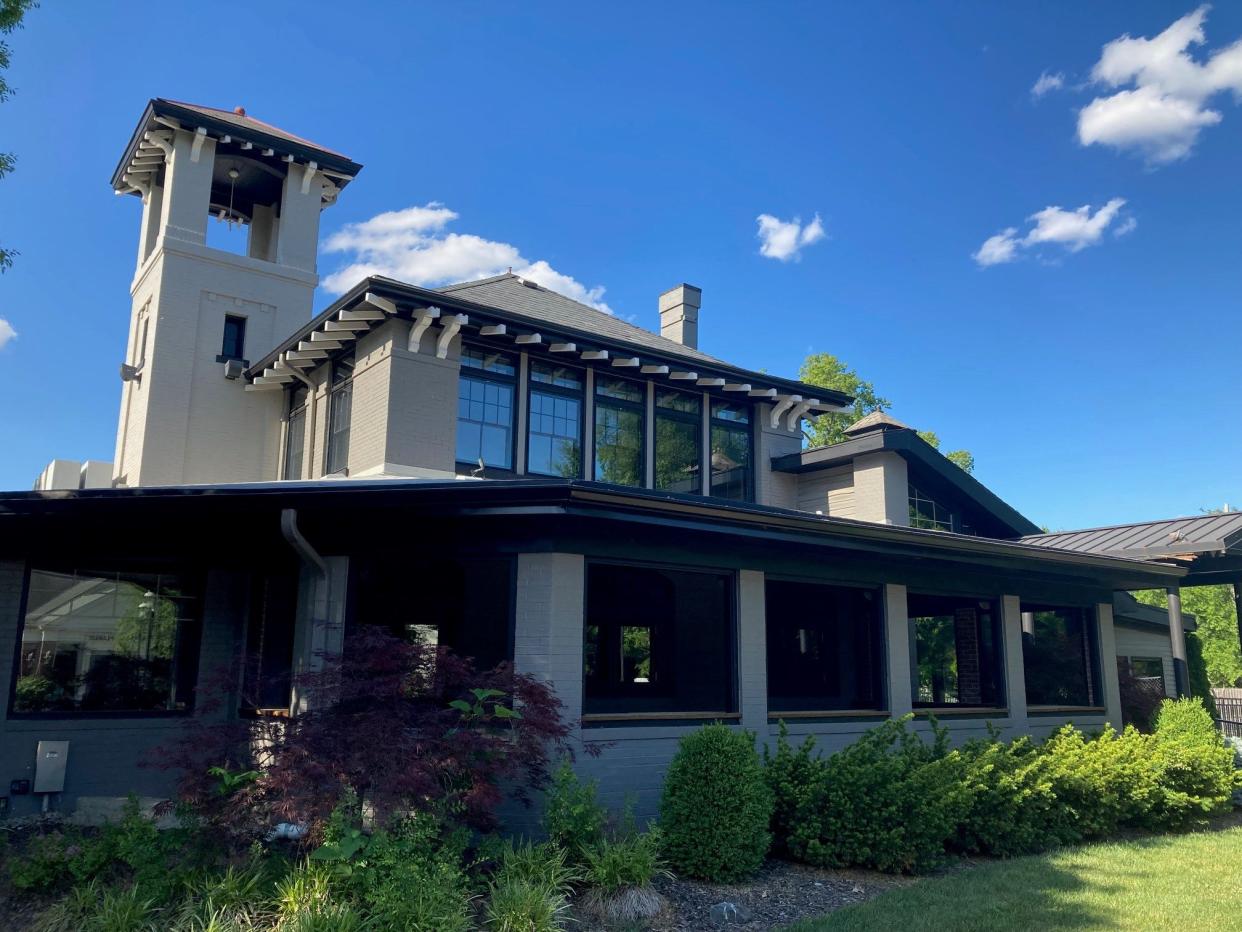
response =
{"points": [[827, 371], [11, 13], [1216, 614], [401, 726]]}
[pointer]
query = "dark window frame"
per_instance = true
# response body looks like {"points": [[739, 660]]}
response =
{"points": [[341, 387], [297, 412], [880, 650], [194, 579], [1093, 668], [600, 401], [677, 416], [999, 671], [748, 428], [732, 633], [481, 374], [238, 350], [549, 388]]}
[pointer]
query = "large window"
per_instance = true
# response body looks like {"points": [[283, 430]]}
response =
{"points": [[956, 651], [267, 676], [678, 433], [554, 438], [340, 414], [926, 512], [732, 475], [620, 419], [107, 642], [485, 394], [1060, 656], [825, 647], [464, 603], [658, 641], [295, 433]]}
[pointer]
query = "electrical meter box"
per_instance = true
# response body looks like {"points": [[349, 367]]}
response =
{"points": [[50, 762]]}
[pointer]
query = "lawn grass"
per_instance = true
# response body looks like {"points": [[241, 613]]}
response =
{"points": [[1182, 882]]}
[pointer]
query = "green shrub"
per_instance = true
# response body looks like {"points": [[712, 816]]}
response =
{"points": [[572, 816], [546, 865], [630, 861], [888, 801], [1197, 766], [1012, 804], [790, 775], [43, 866], [716, 806], [516, 905], [411, 878]]}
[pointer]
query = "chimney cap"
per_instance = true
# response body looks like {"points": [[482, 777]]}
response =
{"points": [[875, 421], [240, 111]]}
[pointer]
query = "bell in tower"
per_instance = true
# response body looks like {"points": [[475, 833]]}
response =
{"points": [[199, 313]]}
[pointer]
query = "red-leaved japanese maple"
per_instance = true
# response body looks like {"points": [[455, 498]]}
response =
{"points": [[405, 726]]}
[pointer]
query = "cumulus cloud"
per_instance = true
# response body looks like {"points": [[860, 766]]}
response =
{"points": [[784, 240], [1073, 230], [1047, 83], [1002, 247], [1160, 105], [414, 245], [7, 332]]}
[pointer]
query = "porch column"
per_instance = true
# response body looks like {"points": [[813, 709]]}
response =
{"points": [[1013, 626], [752, 679], [548, 620], [1028, 623], [1109, 681], [1177, 637], [1237, 605], [897, 649]]}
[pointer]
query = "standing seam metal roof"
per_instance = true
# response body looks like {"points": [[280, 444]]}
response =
{"points": [[1145, 540]]}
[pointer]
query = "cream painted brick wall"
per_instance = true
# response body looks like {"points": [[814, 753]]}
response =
{"points": [[774, 488], [881, 489]]}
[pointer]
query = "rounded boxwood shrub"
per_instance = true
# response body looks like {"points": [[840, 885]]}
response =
{"points": [[716, 806]]}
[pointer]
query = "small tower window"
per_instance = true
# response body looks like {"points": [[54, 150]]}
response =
{"points": [[234, 339]]}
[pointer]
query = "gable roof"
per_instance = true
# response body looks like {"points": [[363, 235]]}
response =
{"points": [[906, 442], [523, 296]]}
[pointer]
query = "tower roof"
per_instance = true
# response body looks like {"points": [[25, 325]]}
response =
{"points": [[876, 420], [227, 127]]}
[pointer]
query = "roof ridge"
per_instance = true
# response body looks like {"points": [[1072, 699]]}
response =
{"points": [[457, 286], [260, 124]]}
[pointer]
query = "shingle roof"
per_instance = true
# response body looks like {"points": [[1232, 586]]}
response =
{"points": [[246, 122], [522, 296], [1152, 539], [876, 420]]}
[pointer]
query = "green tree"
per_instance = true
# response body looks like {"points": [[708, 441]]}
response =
{"points": [[827, 371], [11, 13], [1215, 612]]}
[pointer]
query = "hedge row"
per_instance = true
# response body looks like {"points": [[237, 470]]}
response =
{"points": [[894, 802]]}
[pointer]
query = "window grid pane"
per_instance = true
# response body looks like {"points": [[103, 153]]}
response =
{"points": [[619, 445], [484, 422]]}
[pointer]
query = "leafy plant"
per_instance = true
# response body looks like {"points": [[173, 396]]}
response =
{"points": [[630, 861], [403, 725], [716, 806], [545, 865], [572, 816], [518, 905]]}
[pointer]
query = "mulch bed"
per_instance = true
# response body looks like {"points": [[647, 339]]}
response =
{"points": [[781, 893]]}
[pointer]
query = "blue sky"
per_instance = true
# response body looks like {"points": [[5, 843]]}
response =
{"points": [[1093, 372]]}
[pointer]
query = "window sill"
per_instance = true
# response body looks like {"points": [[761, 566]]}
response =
{"points": [[604, 718], [1061, 709], [774, 717], [223, 358], [942, 711]]}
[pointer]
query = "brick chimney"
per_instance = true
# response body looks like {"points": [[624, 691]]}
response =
{"points": [[679, 314]]}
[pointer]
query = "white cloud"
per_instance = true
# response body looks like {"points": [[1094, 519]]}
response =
{"points": [[784, 240], [7, 332], [1002, 247], [1073, 230], [413, 245], [1048, 82], [1162, 114]]}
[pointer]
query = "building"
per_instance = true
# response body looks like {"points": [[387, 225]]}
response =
{"points": [[519, 477]]}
